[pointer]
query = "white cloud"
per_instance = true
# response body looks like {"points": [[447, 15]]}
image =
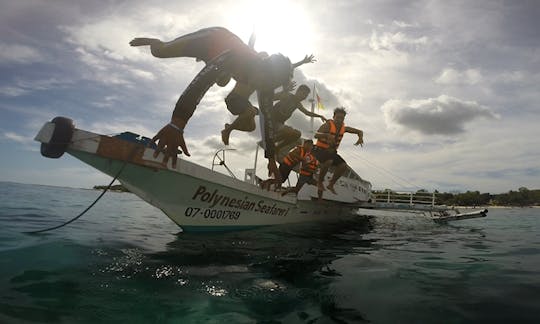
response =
{"points": [[143, 74], [402, 24], [17, 138], [451, 76], [9, 91], [118, 126], [17, 53], [443, 115], [394, 41]]}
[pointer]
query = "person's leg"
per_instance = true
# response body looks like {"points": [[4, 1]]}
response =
{"points": [[286, 191], [302, 180], [246, 117], [340, 168], [266, 184], [194, 45], [325, 161], [322, 173], [287, 136]]}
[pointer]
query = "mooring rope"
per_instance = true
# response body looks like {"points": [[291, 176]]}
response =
{"points": [[87, 209]]}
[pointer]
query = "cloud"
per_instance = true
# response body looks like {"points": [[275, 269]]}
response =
{"points": [[17, 53], [118, 125], [451, 76], [395, 41], [10, 91], [17, 138], [443, 115]]}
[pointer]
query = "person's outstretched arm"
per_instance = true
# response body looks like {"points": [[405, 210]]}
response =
{"points": [[358, 132], [171, 136], [310, 114], [307, 59]]}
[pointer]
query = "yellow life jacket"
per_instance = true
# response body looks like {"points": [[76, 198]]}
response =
{"points": [[322, 143]]}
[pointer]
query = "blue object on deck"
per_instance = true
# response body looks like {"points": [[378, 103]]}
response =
{"points": [[136, 138]]}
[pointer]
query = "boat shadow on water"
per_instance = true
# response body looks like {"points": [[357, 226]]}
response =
{"points": [[275, 272]]}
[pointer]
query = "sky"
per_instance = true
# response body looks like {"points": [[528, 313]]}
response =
{"points": [[446, 92]]}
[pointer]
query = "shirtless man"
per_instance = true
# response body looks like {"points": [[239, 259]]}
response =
{"points": [[238, 104], [225, 55], [283, 110]]}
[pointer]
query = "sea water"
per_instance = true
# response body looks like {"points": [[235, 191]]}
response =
{"points": [[126, 262]]}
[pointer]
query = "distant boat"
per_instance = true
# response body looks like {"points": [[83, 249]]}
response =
{"points": [[199, 199]]}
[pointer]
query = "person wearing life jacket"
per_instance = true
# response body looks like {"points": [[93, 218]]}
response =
{"points": [[329, 137], [309, 165], [226, 56], [297, 155]]}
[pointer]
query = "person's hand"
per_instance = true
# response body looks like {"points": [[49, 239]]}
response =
{"points": [[168, 139], [360, 140], [309, 59], [142, 41]]}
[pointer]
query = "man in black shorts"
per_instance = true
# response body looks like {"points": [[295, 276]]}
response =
{"points": [[238, 104], [328, 137], [283, 110], [225, 55]]}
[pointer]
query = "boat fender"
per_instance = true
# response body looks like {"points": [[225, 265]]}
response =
{"points": [[60, 139]]}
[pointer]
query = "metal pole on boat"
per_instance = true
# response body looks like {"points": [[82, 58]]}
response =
{"points": [[312, 100], [255, 164]]}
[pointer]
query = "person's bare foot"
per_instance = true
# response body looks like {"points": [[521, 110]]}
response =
{"points": [[225, 133], [319, 196], [331, 188]]}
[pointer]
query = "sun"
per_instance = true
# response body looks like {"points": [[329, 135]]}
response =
{"points": [[280, 27]]}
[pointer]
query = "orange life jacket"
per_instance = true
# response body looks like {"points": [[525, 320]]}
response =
{"points": [[322, 143], [309, 165], [291, 160]]}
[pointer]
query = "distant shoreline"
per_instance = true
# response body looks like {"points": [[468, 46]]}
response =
{"points": [[120, 188], [495, 207]]}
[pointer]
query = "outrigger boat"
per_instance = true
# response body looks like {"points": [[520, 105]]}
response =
{"points": [[201, 199]]}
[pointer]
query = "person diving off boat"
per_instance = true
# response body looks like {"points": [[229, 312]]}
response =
{"points": [[329, 136], [226, 56], [283, 110], [301, 154], [238, 104], [308, 166]]}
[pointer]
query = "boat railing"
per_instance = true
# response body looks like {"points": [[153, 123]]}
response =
{"points": [[405, 197]]}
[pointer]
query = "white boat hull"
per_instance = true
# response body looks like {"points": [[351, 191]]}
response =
{"points": [[196, 204], [194, 197]]}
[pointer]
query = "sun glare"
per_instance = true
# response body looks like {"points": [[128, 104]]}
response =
{"points": [[280, 26]]}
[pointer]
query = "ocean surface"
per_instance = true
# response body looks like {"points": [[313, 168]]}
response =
{"points": [[126, 262]]}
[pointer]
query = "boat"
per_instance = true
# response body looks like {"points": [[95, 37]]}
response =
{"points": [[195, 197], [199, 199]]}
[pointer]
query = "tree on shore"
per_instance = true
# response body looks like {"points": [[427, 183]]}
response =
{"points": [[520, 198]]}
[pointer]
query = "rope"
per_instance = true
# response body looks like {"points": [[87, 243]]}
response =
{"points": [[95, 201], [84, 211], [393, 177]]}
